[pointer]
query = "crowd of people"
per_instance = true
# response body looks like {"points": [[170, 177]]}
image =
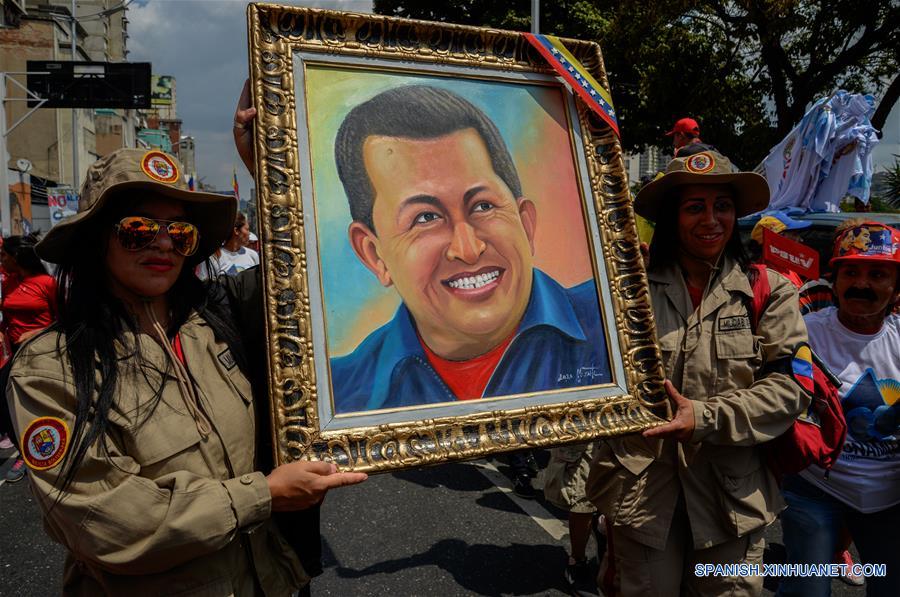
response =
{"points": [[136, 389]]}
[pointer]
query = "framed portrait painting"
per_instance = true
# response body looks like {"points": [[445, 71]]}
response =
{"points": [[451, 264]]}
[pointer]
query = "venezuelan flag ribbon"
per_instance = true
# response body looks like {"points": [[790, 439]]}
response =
{"points": [[802, 368], [574, 73]]}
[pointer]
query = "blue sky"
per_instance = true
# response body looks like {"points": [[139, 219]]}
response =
{"points": [[203, 44]]}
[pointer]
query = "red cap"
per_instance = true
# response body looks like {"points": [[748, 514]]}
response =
{"points": [[685, 125], [868, 241]]}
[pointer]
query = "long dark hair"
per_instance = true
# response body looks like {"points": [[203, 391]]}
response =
{"points": [[92, 321], [21, 248], [665, 243]]}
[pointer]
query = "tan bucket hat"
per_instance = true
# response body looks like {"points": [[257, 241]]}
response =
{"points": [[708, 167], [131, 169]]}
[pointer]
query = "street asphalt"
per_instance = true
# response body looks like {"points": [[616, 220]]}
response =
{"points": [[455, 529]]}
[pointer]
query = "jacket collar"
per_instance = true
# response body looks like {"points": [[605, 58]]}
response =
{"points": [[549, 305], [731, 278], [153, 355]]}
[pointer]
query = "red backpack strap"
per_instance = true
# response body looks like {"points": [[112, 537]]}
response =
{"points": [[761, 293]]}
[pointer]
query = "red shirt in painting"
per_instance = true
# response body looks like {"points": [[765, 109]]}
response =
{"points": [[29, 306], [468, 379]]}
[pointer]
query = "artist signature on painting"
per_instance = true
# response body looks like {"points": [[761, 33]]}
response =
{"points": [[582, 374]]}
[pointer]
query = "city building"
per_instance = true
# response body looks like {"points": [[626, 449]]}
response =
{"points": [[186, 155], [645, 163], [45, 137], [41, 30], [106, 27], [163, 127]]}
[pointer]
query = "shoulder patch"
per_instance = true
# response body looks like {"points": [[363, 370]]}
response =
{"points": [[45, 442], [227, 359], [802, 368]]}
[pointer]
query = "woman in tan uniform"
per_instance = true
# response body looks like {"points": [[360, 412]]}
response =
{"points": [[135, 411], [696, 490]]}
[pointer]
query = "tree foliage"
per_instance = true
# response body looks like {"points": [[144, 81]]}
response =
{"points": [[892, 184], [746, 69]]}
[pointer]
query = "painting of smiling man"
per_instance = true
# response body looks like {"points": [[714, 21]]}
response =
{"points": [[486, 291]]}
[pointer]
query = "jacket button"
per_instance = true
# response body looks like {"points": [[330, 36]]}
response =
{"points": [[707, 414], [247, 479]]}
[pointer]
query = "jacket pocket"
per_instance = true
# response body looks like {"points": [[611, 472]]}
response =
{"points": [[240, 383], [735, 345], [161, 437], [565, 475], [613, 490], [736, 361], [572, 453], [748, 501], [668, 345]]}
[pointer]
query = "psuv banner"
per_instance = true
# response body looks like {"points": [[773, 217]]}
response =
{"points": [[784, 253]]}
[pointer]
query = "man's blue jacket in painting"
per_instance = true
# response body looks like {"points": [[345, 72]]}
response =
{"points": [[559, 344]]}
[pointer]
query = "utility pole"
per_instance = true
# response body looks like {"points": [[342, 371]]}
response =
{"points": [[4, 132], [4, 158], [74, 110], [535, 16]]}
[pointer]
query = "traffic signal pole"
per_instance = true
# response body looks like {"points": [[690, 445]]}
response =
{"points": [[4, 132], [4, 157], [74, 110]]}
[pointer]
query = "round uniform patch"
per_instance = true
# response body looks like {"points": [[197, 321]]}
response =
{"points": [[700, 163], [159, 167], [44, 442]]}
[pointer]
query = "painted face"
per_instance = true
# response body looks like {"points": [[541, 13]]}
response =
{"points": [[859, 240], [451, 238], [151, 271], [706, 219], [865, 289]]}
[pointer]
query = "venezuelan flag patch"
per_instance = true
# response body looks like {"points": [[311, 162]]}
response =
{"points": [[802, 367]]}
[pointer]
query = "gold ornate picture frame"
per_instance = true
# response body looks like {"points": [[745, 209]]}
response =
{"points": [[399, 245]]}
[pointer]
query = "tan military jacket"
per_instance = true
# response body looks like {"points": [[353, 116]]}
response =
{"points": [[715, 359], [158, 510]]}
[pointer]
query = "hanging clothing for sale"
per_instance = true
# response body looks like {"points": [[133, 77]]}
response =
{"points": [[826, 157]]}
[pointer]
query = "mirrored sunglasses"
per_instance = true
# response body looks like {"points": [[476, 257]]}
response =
{"points": [[137, 232]]}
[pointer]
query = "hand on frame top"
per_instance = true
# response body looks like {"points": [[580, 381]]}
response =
{"points": [[244, 116]]}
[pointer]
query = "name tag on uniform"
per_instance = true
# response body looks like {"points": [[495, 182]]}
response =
{"points": [[737, 322], [227, 359]]}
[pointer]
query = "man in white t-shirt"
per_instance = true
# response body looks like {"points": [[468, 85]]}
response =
{"points": [[859, 340], [234, 256]]}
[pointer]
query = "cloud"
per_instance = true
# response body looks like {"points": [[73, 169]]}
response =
{"points": [[203, 44]]}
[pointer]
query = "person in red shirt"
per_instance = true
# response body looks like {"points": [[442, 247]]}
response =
{"points": [[28, 305], [686, 139]]}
